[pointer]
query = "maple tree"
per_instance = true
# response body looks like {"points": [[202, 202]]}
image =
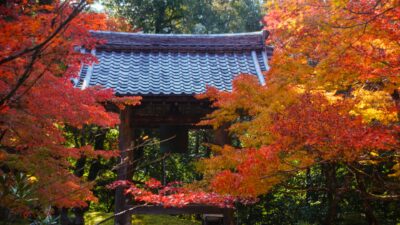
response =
{"points": [[39, 56], [331, 100], [171, 195], [310, 130], [279, 139], [337, 43]]}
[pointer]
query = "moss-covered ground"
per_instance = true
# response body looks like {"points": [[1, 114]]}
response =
{"points": [[91, 218]]}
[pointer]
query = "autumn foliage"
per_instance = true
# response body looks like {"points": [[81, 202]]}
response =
{"points": [[309, 131], [39, 56], [334, 44], [330, 99], [174, 194]]}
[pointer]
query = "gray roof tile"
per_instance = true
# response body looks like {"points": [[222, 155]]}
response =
{"points": [[132, 64]]}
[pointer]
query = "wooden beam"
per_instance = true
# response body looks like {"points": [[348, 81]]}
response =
{"points": [[189, 209], [156, 121]]}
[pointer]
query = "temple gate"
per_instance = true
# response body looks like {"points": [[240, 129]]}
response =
{"points": [[168, 71]]}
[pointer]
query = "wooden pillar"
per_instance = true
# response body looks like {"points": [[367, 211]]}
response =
{"points": [[221, 137], [124, 171], [229, 218]]}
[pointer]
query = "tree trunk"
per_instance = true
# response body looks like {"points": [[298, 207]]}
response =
{"points": [[159, 21], [95, 167], [396, 98], [369, 212], [332, 195], [64, 219], [79, 216], [308, 185]]}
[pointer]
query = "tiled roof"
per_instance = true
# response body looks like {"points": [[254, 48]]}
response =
{"points": [[158, 64]]}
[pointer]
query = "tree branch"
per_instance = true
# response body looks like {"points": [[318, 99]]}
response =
{"points": [[74, 13], [37, 50], [121, 213]]}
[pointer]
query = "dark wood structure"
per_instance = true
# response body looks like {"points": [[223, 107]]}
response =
{"points": [[167, 71], [184, 114]]}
